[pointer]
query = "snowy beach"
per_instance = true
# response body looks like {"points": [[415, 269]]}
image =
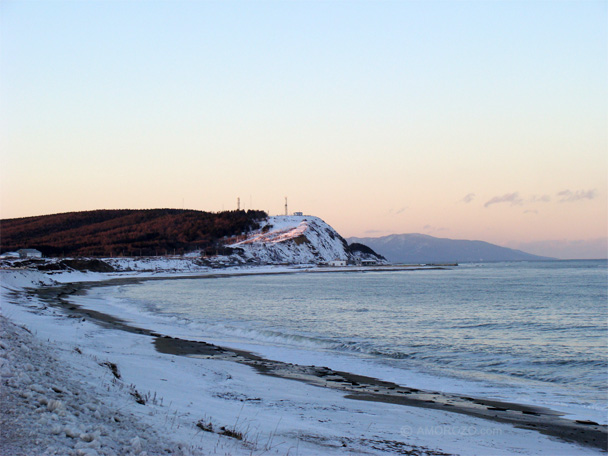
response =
{"points": [[78, 380]]}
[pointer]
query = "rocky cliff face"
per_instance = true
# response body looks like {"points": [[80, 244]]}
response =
{"points": [[298, 240]]}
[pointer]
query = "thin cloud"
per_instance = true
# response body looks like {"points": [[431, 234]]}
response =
{"points": [[512, 198], [401, 210], [540, 199], [531, 211], [568, 196], [468, 198]]}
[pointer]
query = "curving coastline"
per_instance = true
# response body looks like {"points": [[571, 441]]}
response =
{"points": [[542, 420]]}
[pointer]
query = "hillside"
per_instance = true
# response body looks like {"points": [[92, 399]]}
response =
{"points": [[241, 237], [421, 248], [299, 240], [127, 232]]}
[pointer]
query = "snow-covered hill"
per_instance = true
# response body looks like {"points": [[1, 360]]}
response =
{"points": [[298, 240], [279, 240]]}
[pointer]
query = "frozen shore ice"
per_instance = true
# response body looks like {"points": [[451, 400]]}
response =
{"points": [[191, 404]]}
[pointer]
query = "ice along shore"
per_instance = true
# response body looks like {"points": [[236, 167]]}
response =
{"points": [[227, 401]]}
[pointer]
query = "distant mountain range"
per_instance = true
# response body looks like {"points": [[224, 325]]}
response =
{"points": [[252, 236], [421, 248]]}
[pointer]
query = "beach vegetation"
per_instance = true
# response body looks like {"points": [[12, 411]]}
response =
{"points": [[113, 368], [231, 432], [207, 426]]}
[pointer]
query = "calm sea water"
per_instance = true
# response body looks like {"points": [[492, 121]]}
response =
{"points": [[529, 332]]}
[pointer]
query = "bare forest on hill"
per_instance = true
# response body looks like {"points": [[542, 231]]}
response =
{"points": [[125, 232]]}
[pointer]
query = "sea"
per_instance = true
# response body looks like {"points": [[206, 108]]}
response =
{"points": [[526, 332]]}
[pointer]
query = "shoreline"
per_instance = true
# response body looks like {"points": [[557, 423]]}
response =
{"points": [[356, 387]]}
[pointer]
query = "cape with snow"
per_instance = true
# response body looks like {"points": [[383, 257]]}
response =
{"points": [[299, 239], [274, 240]]}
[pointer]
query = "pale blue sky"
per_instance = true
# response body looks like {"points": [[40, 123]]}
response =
{"points": [[379, 117]]}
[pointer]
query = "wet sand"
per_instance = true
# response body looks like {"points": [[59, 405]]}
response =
{"points": [[354, 386]]}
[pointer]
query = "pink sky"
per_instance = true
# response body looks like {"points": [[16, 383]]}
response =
{"points": [[471, 120]]}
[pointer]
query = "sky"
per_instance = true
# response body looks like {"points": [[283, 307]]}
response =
{"points": [[461, 119]]}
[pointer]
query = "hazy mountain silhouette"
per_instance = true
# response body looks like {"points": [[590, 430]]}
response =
{"points": [[421, 248]]}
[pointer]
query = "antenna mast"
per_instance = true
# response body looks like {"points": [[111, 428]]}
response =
{"points": [[286, 213], [238, 204]]}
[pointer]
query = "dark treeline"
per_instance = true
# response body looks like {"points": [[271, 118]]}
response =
{"points": [[125, 232]]}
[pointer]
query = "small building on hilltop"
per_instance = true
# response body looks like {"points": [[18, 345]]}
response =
{"points": [[366, 262], [29, 253], [337, 263]]}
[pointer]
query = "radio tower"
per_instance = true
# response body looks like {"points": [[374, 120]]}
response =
{"points": [[286, 213], [238, 204]]}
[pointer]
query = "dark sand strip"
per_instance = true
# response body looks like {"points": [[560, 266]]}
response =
{"points": [[357, 387]]}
